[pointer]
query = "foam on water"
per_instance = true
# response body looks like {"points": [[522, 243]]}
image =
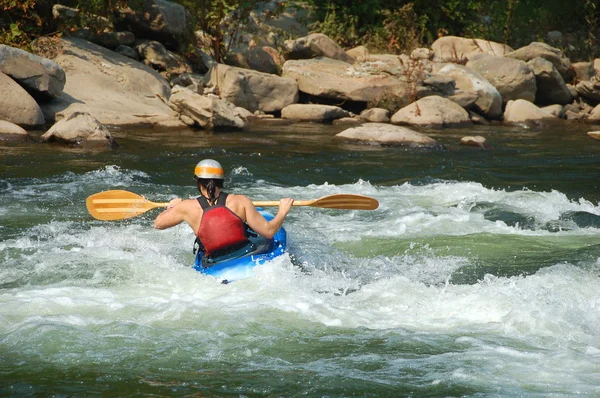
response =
{"points": [[74, 289]]}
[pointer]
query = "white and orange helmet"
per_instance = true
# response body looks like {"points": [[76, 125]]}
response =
{"points": [[209, 169]]}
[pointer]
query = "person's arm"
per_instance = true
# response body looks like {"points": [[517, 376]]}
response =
{"points": [[173, 215], [259, 224]]}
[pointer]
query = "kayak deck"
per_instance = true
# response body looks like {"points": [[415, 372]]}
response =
{"points": [[239, 265]]}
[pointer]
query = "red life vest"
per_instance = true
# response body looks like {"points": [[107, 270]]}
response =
{"points": [[220, 228]]}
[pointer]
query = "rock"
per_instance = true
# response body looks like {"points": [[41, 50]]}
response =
{"points": [[556, 110], [265, 59], [389, 135], [422, 53], [488, 100], [596, 67], [108, 39], [270, 23], [127, 51], [11, 132], [543, 50], [476, 141], [237, 57], [316, 45], [64, 13], [259, 58], [512, 78], [589, 89], [329, 78], [79, 128], [292, 21], [460, 49], [477, 118], [524, 113], [375, 115], [155, 55], [42, 78], [583, 70], [555, 36], [114, 89], [347, 121], [466, 99], [551, 88], [594, 134], [209, 112], [573, 91], [161, 20], [68, 16], [313, 112], [594, 116], [188, 120], [441, 85], [17, 106], [574, 116], [253, 90], [192, 81], [359, 54], [432, 112], [245, 114]]}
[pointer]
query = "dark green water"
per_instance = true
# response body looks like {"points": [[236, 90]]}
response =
{"points": [[478, 275]]}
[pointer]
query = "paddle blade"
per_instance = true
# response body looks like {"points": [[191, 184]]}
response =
{"points": [[346, 201], [118, 205]]}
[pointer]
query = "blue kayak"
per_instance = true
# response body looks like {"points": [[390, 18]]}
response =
{"points": [[238, 264]]}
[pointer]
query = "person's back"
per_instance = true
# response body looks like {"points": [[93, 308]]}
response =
{"points": [[209, 178]]}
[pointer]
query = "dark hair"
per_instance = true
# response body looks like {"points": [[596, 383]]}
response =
{"points": [[211, 185]]}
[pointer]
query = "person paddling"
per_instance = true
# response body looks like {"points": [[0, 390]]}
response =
{"points": [[219, 219]]}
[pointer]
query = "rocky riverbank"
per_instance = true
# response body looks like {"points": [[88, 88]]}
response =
{"points": [[87, 85]]}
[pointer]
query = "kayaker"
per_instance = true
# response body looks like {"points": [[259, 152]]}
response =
{"points": [[218, 219]]}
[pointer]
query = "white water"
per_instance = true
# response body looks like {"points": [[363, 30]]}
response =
{"points": [[77, 291]]}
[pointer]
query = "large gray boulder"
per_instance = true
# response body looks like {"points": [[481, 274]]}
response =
{"points": [[551, 88], [543, 50], [315, 45], [329, 78], [433, 112], [17, 106], [388, 135], [79, 129], [512, 78], [252, 90], [313, 112], [488, 100], [460, 49], [524, 113], [583, 70], [113, 88], [42, 78]]}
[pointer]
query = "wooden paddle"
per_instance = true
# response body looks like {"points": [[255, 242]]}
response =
{"points": [[119, 204]]}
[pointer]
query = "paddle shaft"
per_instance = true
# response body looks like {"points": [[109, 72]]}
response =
{"points": [[259, 203], [267, 203]]}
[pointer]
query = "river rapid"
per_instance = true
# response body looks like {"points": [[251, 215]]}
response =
{"points": [[479, 274]]}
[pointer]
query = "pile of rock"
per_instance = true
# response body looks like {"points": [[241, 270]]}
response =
{"points": [[130, 75]]}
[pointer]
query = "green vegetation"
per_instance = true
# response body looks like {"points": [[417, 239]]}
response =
{"points": [[382, 25], [402, 25]]}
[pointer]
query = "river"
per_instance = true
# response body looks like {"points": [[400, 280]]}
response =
{"points": [[479, 274]]}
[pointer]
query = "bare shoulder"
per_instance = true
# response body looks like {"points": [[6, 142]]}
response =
{"points": [[238, 199], [190, 203]]}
